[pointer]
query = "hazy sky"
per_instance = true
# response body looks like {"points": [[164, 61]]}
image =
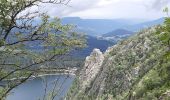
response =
{"points": [[110, 9]]}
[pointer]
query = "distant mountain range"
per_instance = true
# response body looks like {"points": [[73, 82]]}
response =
{"points": [[140, 26], [96, 27], [93, 27]]}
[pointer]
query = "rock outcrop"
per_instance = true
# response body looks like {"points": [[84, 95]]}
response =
{"points": [[91, 68]]}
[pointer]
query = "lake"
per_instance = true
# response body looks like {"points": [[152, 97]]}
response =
{"points": [[35, 89]]}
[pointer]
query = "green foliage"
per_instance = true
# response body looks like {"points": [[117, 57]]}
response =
{"points": [[154, 83], [25, 46], [165, 32], [166, 10], [2, 42]]}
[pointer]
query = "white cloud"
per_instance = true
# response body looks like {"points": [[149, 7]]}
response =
{"points": [[158, 4], [109, 8]]}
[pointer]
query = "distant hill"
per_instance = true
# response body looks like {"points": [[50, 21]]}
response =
{"points": [[116, 35], [144, 25], [93, 42], [124, 32], [117, 32]]}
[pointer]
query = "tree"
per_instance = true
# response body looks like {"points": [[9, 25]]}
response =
{"points": [[165, 37], [25, 45], [164, 33]]}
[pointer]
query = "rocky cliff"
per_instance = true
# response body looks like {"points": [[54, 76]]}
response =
{"points": [[134, 69], [91, 68]]}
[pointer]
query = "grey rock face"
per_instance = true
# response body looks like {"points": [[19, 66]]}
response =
{"points": [[91, 68]]}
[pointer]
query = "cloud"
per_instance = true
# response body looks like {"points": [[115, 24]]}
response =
{"points": [[73, 6], [108, 8], [158, 4]]}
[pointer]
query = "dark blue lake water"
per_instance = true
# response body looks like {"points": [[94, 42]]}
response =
{"points": [[35, 89]]}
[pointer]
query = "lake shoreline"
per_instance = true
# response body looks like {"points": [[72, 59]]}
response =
{"points": [[42, 75]]}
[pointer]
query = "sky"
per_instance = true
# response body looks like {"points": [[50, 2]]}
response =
{"points": [[109, 9]]}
